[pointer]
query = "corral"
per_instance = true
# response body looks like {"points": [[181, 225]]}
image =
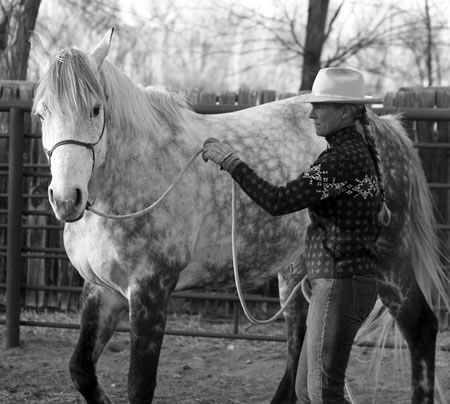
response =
{"points": [[432, 138]]}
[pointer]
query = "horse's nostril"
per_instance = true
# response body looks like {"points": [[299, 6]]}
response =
{"points": [[78, 198], [51, 197], [74, 198]]}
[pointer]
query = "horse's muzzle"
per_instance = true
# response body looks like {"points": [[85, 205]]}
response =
{"points": [[68, 210]]}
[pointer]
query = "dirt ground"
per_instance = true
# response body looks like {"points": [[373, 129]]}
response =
{"points": [[192, 370]]}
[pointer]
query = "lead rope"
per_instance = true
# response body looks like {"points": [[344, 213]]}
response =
{"points": [[301, 285], [154, 204], [236, 271], [233, 240]]}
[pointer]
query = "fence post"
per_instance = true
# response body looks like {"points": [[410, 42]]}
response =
{"points": [[236, 308], [14, 233]]}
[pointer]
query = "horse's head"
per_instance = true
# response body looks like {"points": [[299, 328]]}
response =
{"points": [[70, 102]]}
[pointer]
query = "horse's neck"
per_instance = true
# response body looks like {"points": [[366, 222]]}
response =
{"points": [[139, 165], [276, 139]]}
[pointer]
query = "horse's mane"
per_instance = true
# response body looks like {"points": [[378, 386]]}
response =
{"points": [[70, 84]]}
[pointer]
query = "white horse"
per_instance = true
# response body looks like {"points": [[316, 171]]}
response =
{"points": [[118, 146]]}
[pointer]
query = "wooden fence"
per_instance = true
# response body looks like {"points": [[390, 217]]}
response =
{"points": [[48, 279], [433, 137]]}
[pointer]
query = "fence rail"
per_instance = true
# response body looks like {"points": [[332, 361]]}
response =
{"points": [[25, 210]]}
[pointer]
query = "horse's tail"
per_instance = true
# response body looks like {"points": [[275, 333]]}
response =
{"points": [[428, 258], [379, 331], [427, 255]]}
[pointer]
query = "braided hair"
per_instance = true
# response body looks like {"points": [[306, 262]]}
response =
{"points": [[360, 113]]}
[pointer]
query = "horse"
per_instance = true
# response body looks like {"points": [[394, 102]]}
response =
{"points": [[117, 145]]}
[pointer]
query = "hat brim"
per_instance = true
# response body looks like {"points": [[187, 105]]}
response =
{"points": [[312, 98]]}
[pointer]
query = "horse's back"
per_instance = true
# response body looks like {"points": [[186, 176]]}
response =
{"points": [[278, 141]]}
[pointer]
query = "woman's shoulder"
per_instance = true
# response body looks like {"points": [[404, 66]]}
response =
{"points": [[346, 162]]}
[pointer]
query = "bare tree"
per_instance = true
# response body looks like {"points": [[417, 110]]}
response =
{"points": [[315, 38], [17, 19], [283, 43], [421, 47], [429, 42], [290, 39]]}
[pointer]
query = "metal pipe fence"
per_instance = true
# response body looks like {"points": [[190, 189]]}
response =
{"points": [[14, 230], [15, 252]]}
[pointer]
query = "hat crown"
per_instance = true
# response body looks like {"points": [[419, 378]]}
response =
{"points": [[338, 85], [341, 83]]}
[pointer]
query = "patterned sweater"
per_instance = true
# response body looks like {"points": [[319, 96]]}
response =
{"points": [[341, 191]]}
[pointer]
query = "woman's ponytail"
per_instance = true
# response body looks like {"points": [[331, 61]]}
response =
{"points": [[384, 214]]}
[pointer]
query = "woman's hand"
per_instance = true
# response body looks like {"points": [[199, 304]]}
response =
{"points": [[221, 153]]}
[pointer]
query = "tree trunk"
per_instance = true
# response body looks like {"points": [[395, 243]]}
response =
{"points": [[17, 20], [429, 45], [315, 38]]}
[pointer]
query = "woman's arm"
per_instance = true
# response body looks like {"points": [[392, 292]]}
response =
{"points": [[310, 187], [301, 193]]}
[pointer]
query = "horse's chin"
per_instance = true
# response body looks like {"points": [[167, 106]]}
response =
{"points": [[75, 219], [68, 216]]}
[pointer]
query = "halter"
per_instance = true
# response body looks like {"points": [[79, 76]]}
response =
{"points": [[89, 146]]}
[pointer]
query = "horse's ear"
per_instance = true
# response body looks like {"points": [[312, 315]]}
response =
{"points": [[41, 54], [101, 50]]}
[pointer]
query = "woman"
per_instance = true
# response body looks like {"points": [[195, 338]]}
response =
{"points": [[344, 193]]}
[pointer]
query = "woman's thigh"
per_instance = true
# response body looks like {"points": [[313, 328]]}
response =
{"points": [[337, 310]]}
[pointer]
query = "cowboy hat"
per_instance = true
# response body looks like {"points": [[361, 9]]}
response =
{"points": [[338, 85]]}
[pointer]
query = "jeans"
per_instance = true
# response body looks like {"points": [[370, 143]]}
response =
{"points": [[337, 310]]}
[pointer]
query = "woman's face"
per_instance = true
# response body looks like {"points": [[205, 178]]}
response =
{"points": [[327, 117]]}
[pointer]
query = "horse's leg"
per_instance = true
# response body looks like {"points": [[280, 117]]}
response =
{"points": [[148, 304], [100, 315], [419, 326], [295, 317]]}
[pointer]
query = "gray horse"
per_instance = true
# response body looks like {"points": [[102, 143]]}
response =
{"points": [[118, 145]]}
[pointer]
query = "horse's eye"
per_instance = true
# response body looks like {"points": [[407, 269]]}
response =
{"points": [[41, 117], [96, 110]]}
